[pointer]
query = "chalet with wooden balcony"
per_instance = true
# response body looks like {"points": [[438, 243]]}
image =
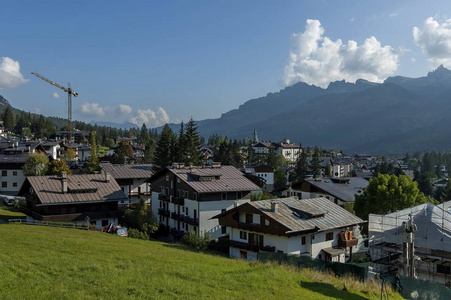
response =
{"points": [[186, 198], [313, 227], [73, 198], [133, 180]]}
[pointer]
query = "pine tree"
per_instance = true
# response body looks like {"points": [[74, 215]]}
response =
{"points": [[192, 144], [315, 163], [144, 135], [163, 155], [9, 119]]}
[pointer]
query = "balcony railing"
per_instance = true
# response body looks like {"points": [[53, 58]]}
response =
{"points": [[163, 197], [347, 243], [163, 212], [191, 221], [177, 216], [251, 247], [250, 226], [178, 200]]}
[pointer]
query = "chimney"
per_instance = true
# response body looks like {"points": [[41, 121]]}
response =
{"points": [[107, 177], [274, 206], [64, 183]]}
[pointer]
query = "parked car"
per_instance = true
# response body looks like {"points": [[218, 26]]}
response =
{"points": [[9, 201]]}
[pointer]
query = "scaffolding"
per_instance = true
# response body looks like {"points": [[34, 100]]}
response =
{"points": [[432, 251]]}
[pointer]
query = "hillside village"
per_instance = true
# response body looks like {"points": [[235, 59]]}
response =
{"points": [[249, 196]]}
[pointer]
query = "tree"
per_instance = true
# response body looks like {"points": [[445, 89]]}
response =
{"points": [[141, 218], [280, 179], [388, 193], [301, 169], [143, 137], [57, 167], [192, 142], [122, 152], [163, 152], [36, 165], [271, 158], [316, 167], [149, 151], [93, 160], [9, 119]]}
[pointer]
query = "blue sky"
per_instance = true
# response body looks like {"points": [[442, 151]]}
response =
{"points": [[167, 61]]}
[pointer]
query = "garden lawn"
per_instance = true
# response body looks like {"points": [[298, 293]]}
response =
{"points": [[7, 212], [38, 262]]}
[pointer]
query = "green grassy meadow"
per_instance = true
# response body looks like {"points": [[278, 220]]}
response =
{"points": [[9, 212], [38, 262]]}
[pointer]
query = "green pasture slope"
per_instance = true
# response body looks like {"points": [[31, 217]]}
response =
{"points": [[38, 262]]}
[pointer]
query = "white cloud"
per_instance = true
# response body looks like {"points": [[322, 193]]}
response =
{"points": [[124, 112], [318, 60], [10, 76], [434, 39], [150, 117], [56, 95]]}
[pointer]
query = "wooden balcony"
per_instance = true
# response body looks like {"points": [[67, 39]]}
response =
{"points": [[163, 212], [164, 197], [178, 200], [250, 247], [191, 221], [348, 243], [250, 226], [177, 216]]}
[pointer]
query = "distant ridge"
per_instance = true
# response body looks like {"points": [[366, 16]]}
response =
{"points": [[399, 115]]}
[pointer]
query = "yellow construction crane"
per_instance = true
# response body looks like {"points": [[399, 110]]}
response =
{"points": [[69, 92]]}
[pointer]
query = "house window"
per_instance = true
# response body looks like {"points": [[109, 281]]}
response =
{"points": [[195, 196], [14, 184], [178, 180], [224, 196], [256, 239], [14, 173], [303, 240], [186, 211], [329, 236], [172, 184], [249, 218], [238, 195], [167, 177], [443, 269], [223, 229], [4, 173], [4, 184], [243, 235]]}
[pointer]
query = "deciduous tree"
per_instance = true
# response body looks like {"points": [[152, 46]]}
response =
{"points": [[36, 165]]}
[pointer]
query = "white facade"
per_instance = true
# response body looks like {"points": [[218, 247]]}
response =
{"points": [[291, 153], [313, 244], [202, 211], [11, 181]]}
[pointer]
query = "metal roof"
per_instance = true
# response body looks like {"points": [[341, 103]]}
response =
{"points": [[344, 191], [128, 171], [307, 214], [86, 188], [230, 179]]}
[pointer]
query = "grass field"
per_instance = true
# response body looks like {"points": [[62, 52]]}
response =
{"points": [[39, 262], [9, 212]]}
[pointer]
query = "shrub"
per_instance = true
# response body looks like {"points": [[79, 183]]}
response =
{"points": [[136, 234], [199, 242]]}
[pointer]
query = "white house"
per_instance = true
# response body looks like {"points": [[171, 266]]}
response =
{"points": [[312, 227], [186, 199]]}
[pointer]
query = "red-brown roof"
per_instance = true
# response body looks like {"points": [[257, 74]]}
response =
{"points": [[82, 188], [230, 179], [128, 171]]}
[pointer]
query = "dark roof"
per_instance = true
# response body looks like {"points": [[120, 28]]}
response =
{"points": [[82, 188], [14, 159], [341, 188], [315, 214], [128, 171], [227, 179]]}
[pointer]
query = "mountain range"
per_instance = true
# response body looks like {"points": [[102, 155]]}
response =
{"points": [[399, 115]]}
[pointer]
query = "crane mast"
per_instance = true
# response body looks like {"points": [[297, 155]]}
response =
{"points": [[69, 92]]}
